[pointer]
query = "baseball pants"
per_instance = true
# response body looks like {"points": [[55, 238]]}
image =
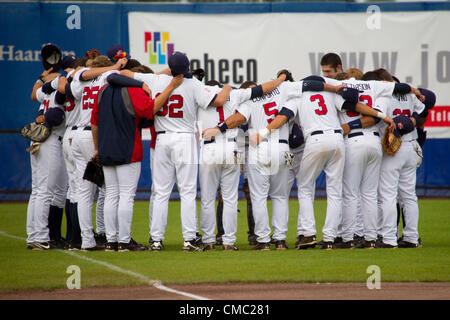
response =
{"points": [[398, 177], [270, 158], [215, 170], [120, 184], [360, 185], [322, 152], [175, 161]]}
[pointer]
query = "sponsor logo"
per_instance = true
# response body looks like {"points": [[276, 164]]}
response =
{"points": [[158, 47], [439, 116]]}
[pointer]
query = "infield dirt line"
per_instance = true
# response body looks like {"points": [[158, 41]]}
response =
{"points": [[155, 283]]}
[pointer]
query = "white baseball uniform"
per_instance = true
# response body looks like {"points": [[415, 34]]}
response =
{"points": [[49, 177], [268, 169], [362, 165], [398, 173], [219, 166], [176, 154], [85, 94], [324, 150]]}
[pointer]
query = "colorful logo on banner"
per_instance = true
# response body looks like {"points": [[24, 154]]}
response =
{"points": [[158, 47]]}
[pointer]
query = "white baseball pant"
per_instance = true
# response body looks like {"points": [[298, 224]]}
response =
{"points": [[326, 152]]}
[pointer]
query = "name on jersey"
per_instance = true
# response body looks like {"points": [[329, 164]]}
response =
{"points": [[267, 96], [359, 86], [400, 97]]}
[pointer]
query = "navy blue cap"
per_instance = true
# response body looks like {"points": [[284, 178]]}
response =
{"points": [[116, 52], [430, 98], [67, 61], [54, 116], [179, 64], [396, 79]]}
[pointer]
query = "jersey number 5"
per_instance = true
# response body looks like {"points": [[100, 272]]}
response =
{"points": [[271, 110], [322, 110], [171, 107]]}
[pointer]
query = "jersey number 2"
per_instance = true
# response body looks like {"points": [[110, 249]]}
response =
{"points": [[171, 107]]}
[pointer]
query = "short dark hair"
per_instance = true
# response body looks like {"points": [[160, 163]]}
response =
{"points": [[142, 69], [384, 74], [370, 75], [80, 62], [213, 83], [131, 63], [247, 84], [331, 59]]}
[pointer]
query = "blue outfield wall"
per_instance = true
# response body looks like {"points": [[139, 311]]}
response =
{"points": [[79, 26]]}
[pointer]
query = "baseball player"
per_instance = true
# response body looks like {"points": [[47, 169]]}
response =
{"points": [[219, 164], [175, 158], [269, 162], [85, 92], [398, 172], [361, 170], [331, 65], [43, 220], [324, 150]]}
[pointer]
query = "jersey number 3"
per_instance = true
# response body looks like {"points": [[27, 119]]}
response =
{"points": [[172, 107], [322, 110]]}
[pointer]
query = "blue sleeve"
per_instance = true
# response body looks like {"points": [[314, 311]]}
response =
{"points": [[312, 85], [286, 112], [402, 88], [257, 92], [47, 88], [122, 81], [69, 94], [60, 98]]}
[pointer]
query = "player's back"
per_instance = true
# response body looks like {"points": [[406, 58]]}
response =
{"points": [[401, 104], [212, 116], [318, 111], [260, 111], [180, 112], [47, 102]]}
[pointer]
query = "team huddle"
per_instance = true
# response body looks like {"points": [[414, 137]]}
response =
{"points": [[273, 133]]}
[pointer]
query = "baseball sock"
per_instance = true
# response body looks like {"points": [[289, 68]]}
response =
{"points": [[76, 231], [219, 217], [59, 212], [52, 222], [68, 210]]}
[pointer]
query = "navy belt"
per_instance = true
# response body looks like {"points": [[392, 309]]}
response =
{"points": [[213, 140], [85, 128], [355, 134], [160, 132], [321, 132]]}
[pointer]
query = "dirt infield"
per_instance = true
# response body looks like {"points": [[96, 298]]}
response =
{"points": [[249, 291]]}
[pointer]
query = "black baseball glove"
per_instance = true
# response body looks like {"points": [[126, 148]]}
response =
{"points": [[94, 172], [287, 73]]}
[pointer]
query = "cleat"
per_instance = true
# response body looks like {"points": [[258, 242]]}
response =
{"points": [[262, 246], [198, 240], [156, 246], [406, 244], [219, 240], [366, 244], [94, 248], [100, 239], [357, 239], [230, 247], [74, 246], [344, 245], [131, 246], [281, 245], [252, 239], [327, 245], [111, 246], [209, 247], [338, 240], [29, 245], [41, 246], [383, 245], [191, 246], [273, 241], [305, 242]]}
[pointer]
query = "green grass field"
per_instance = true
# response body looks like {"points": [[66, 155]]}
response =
{"points": [[25, 269]]}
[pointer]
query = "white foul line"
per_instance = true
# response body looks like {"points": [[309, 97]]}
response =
{"points": [[155, 283]]}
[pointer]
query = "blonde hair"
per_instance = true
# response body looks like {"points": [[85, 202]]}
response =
{"points": [[101, 61], [342, 76], [354, 73]]}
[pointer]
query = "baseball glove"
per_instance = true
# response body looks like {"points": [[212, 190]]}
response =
{"points": [[94, 172], [391, 141], [36, 132], [287, 73]]}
